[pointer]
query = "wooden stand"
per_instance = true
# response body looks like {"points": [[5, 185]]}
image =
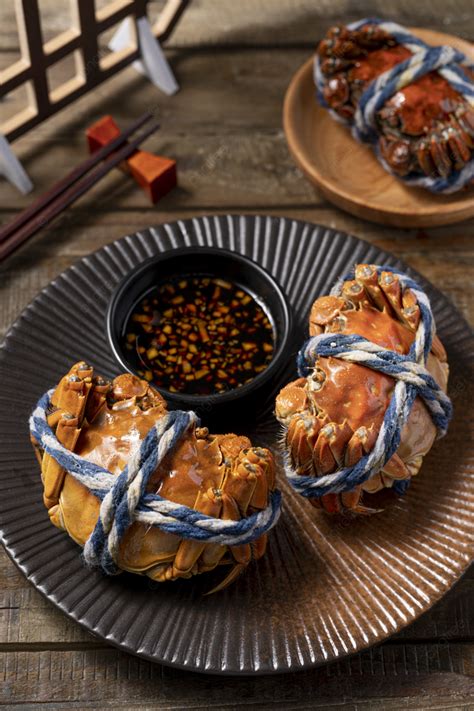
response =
{"points": [[92, 67]]}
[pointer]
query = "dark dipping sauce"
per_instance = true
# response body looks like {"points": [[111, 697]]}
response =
{"points": [[199, 335]]}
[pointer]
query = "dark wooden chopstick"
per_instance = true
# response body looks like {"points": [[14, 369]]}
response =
{"points": [[72, 177], [53, 208]]}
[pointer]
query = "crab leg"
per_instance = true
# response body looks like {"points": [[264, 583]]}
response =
{"points": [[72, 392], [52, 474], [263, 460], [404, 304], [465, 136], [97, 398], [390, 284], [184, 564], [458, 147], [70, 398], [265, 476], [333, 440], [395, 468], [360, 443], [367, 275], [301, 439], [425, 159], [465, 116], [397, 153], [238, 488], [354, 292], [239, 484], [213, 552], [324, 460]]}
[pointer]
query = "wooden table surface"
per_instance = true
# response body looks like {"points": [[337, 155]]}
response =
{"points": [[233, 61]]}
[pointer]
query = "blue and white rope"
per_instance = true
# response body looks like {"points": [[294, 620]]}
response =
{"points": [[413, 380], [124, 498], [446, 60]]}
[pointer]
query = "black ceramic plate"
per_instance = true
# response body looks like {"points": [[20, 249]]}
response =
{"points": [[323, 590]]}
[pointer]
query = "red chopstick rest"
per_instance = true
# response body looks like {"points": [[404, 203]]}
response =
{"points": [[155, 174]]}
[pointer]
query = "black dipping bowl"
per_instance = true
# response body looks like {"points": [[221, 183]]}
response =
{"points": [[207, 261]]}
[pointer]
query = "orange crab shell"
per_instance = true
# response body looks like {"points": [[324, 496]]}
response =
{"points": [[220, 475], [426, 127], [333, 416]]}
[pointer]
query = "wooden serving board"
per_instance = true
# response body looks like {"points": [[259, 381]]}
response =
{"points": [[349, 174]]}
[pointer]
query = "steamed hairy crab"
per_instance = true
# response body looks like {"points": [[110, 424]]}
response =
{"points": [[333, 416], [425, 128], [220, 475]]}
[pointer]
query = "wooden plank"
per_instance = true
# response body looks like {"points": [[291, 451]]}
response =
{"points": [[274, 22], [296, 22], [391, 677], [247, 92], [210, 173]]}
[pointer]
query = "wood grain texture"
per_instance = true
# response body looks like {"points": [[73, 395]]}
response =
{"points": [[234, 62], [276, 23], [388, 677]]}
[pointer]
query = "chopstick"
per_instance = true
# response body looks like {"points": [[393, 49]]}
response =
{"points": [[72, 177], [68, 196]]}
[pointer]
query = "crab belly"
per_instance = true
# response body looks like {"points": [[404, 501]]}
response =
{"points": [[195, 466], [109, 441]]}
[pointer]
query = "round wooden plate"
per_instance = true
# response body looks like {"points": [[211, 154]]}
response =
{"points": [[324, 589], [349, 174]]}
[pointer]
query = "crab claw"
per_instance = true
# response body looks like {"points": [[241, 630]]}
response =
{"points": [[397, 154], [336, 91], [291, 400]]}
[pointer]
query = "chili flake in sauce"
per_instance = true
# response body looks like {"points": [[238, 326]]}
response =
{"points": [[199, 335]]}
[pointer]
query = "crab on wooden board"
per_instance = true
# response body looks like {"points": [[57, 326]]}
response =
{"points": [[219, 475], [333, 416], [425, 128]]}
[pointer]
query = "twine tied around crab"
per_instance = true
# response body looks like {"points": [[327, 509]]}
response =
{"points": [[124, 498], [448, 61], [412, 380]]}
